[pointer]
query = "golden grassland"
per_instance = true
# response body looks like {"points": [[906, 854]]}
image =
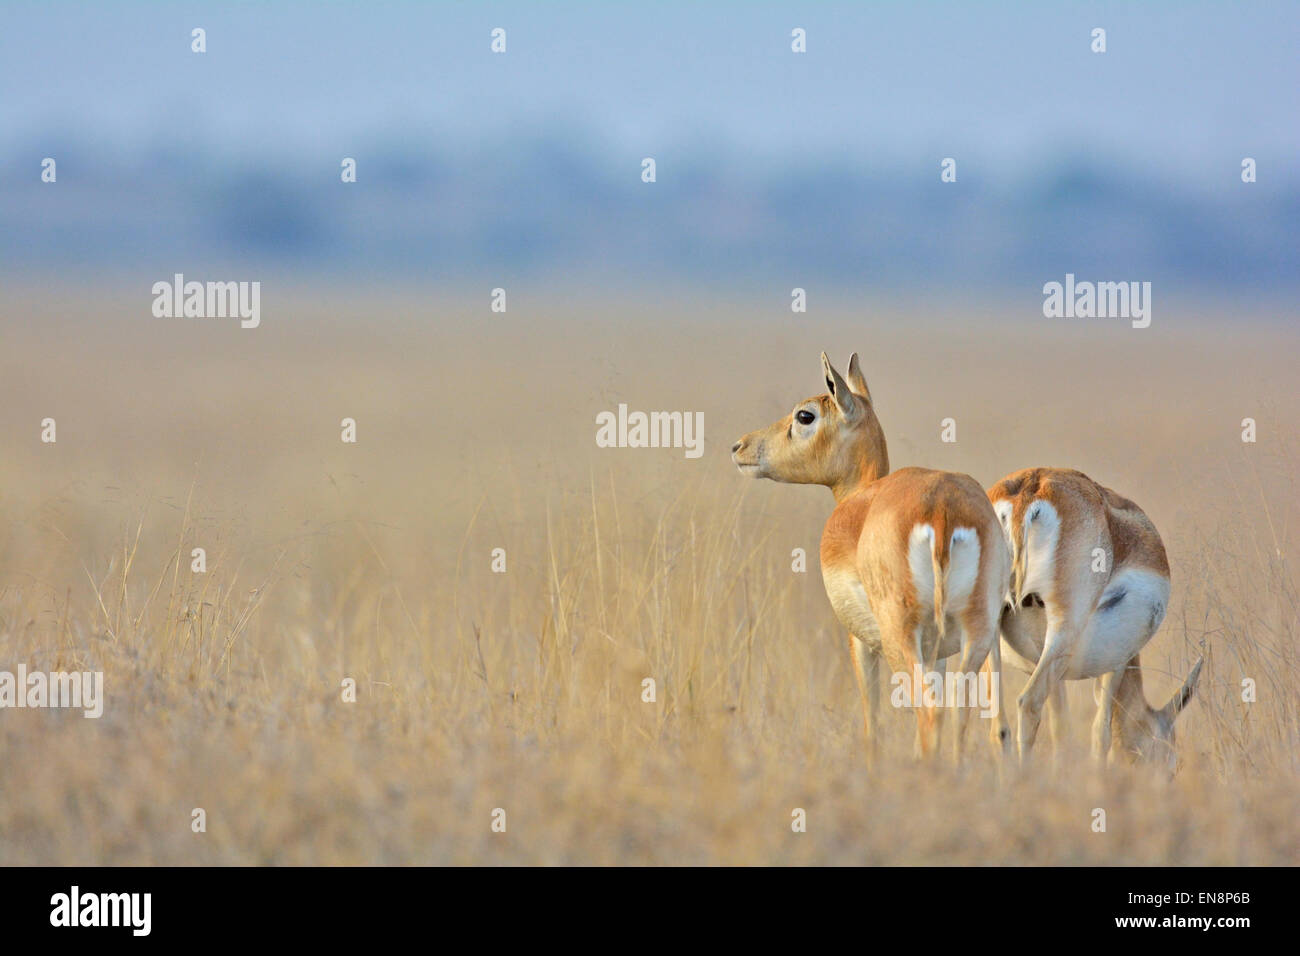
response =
{"points": [[523, 690]]}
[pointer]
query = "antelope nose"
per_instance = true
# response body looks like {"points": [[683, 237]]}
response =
{"points": [[736, 447]]}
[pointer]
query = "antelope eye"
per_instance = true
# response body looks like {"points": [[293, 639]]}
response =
{"points": [[804, 417]]}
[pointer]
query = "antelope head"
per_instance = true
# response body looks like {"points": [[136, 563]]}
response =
{"points": [[833, 439], [1142, 733]]}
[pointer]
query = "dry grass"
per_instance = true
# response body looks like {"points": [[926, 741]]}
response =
{"points": [[523, 690]]}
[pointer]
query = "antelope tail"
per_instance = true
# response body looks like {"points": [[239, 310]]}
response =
{"points": [[1019, 555], [936, 558]]}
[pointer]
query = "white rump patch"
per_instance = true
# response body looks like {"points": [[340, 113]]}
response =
{"points": [[920, 551], [1003, 510], [1042, 530], [963, 565]]}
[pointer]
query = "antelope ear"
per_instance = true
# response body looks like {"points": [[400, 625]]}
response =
{"points": [[857, 381], [1184, 693], [840, 391]]}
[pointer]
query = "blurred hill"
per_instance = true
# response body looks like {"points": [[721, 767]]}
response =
{"points": [[772, 166]]}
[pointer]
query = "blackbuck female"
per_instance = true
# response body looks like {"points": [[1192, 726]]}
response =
{"points": [[1089, 587], [913, 561]]}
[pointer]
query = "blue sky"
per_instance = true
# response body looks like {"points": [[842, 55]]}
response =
{"points": [[1040, 125]]}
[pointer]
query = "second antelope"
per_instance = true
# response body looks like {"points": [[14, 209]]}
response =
{"points": [[914, 562], [1089, 587]]}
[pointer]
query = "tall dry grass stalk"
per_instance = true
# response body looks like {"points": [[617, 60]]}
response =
{"points": [[523, 690]]}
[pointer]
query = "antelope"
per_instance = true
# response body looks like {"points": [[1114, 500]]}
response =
{"points": [[913, 561], [1089, 588]]}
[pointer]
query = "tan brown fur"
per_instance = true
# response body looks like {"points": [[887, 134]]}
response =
{"points": [[1131, 537]]}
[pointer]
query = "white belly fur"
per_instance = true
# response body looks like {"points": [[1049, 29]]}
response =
{"points": [[849, 599], [1111, 637]]}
